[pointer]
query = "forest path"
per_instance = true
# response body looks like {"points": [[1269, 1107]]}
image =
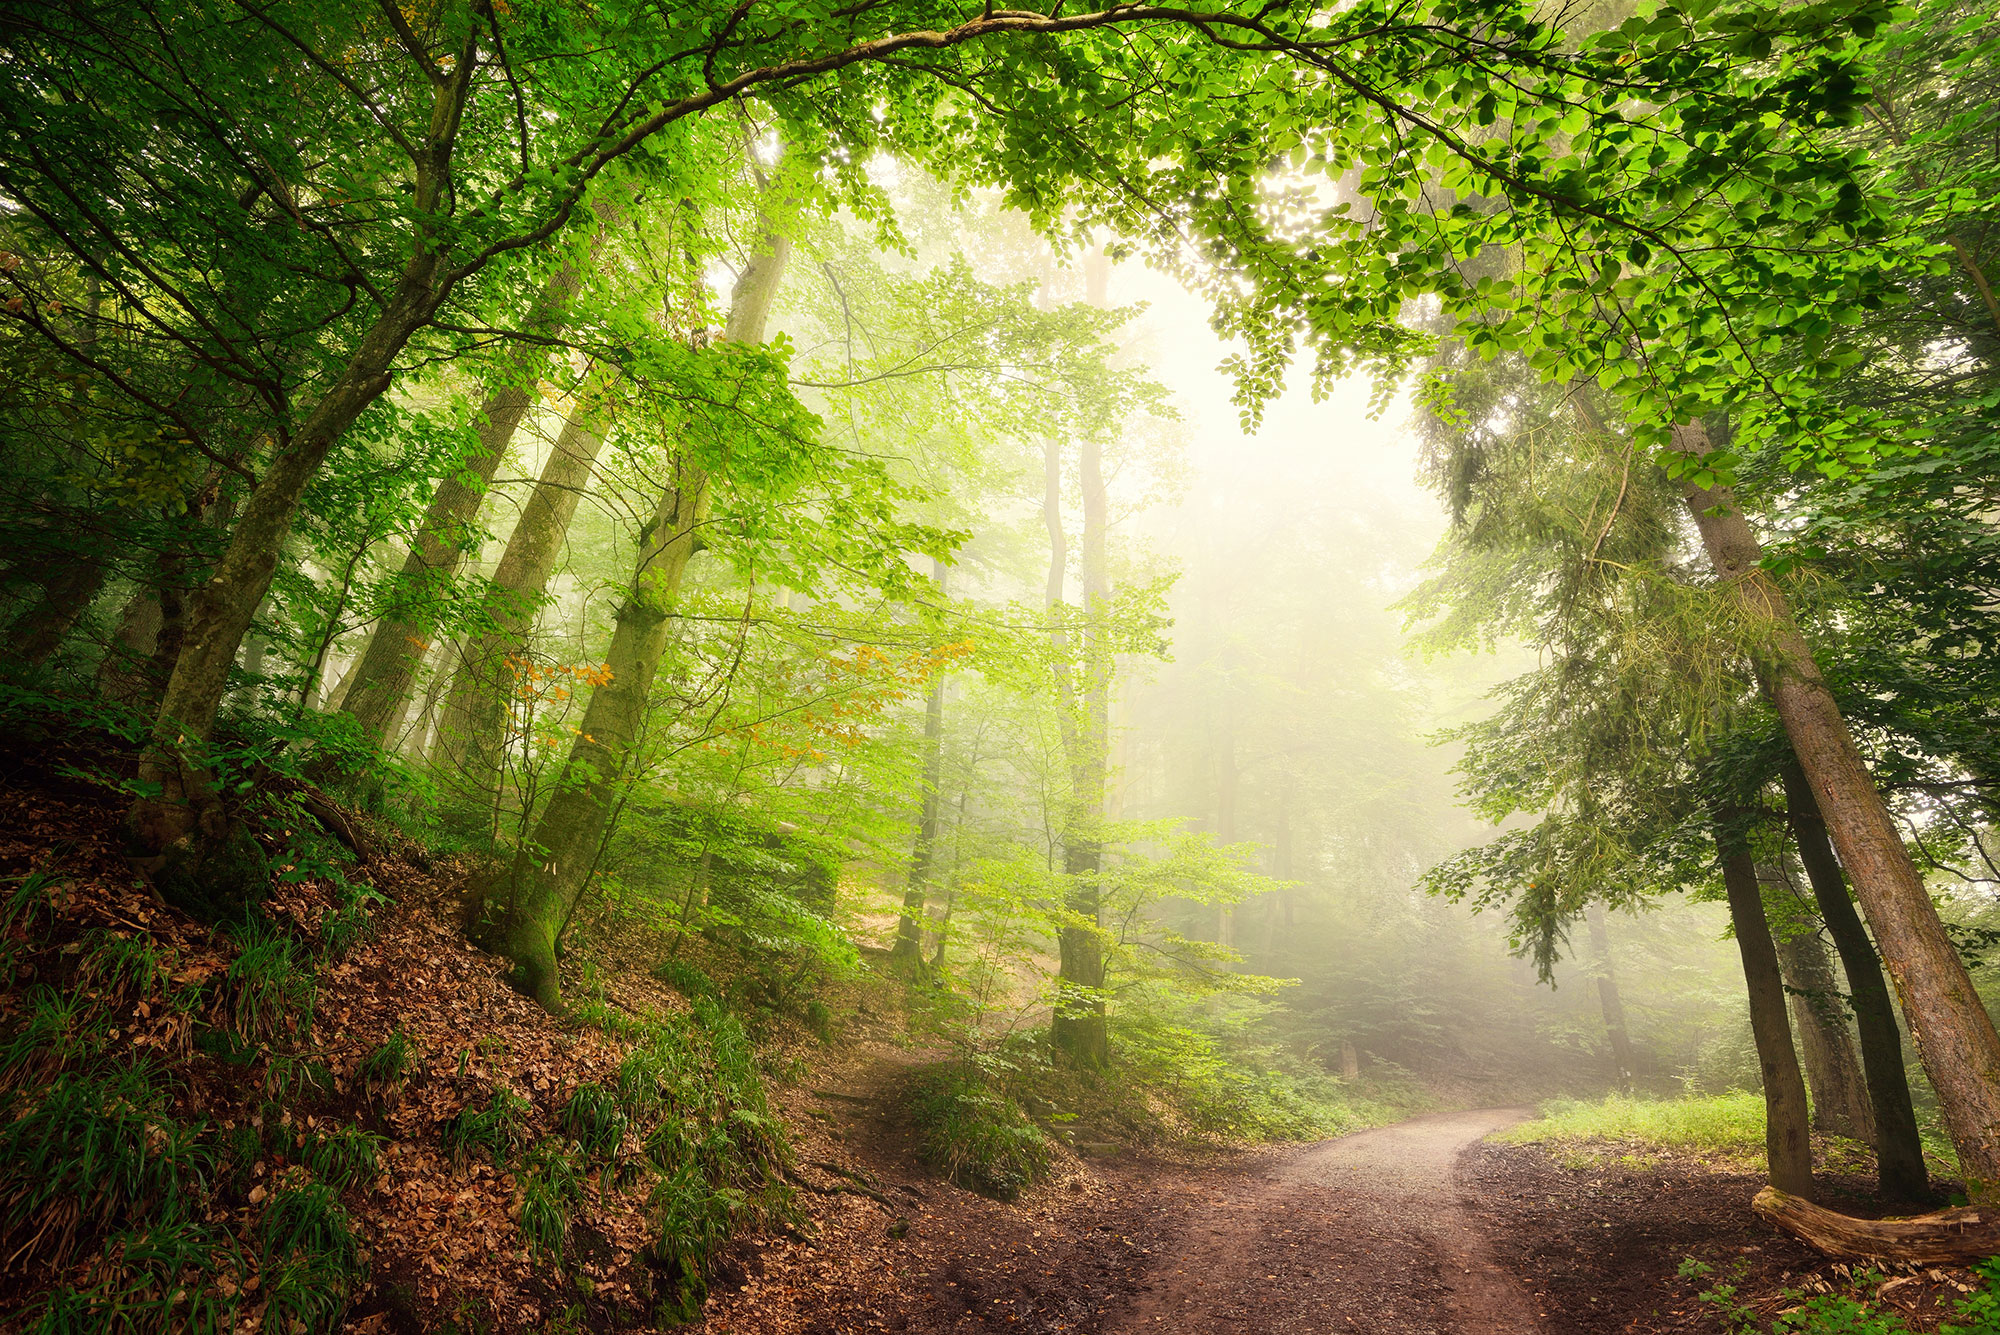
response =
{"points": [[1363, 1233]]}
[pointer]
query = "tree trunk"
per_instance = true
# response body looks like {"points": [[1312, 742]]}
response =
{"points": [[122, 672], [42, 626], [1833, 1071], [553, 867], [1899, 1150], [381, 693], [910, 928], [1608, 1000], [1225, 808], [1954, 1034], [1787, 1139], [1079, 1028], [472, 735]]}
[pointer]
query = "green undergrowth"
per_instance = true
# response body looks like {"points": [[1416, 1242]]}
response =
{"points": [[1725, 1129], [686, 1119], [1861, 1309], [1220, 1086], [123, 1209], [969, 1129]]}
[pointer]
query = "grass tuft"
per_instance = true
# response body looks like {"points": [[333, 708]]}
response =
{"points": [[344, 1157], [499, 1130], [94, 1152], [385, 1069], [123, 966], [311, 1258], [60, 1030], [270, 983], [594, 1119], [551, 1189]]}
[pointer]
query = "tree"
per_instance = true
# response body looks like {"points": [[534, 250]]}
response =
{"points": [[551, 869]]}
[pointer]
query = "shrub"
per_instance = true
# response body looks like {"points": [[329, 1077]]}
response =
{"points": [[975, 1135]]}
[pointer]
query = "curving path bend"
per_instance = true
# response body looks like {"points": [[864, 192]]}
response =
{"points": [[1364, 1233]]}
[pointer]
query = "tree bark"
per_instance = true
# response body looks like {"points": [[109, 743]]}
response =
{"points": [[1787, 1139], [1080, 1029], [1833, 1071], [381, 693], [1958, 1236], [554, 865], [472, 735], [1954, 1034], [1612, 1005], [910, 927], [1899, 1149]]}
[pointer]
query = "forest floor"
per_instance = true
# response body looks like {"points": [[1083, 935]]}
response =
{"points": [[1422, 1228]]}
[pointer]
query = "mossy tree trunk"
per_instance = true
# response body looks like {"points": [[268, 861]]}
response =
{"points": [[1833, 1070], [380, 696], [1080, 1029]]}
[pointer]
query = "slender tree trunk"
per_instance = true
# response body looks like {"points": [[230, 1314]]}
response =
{"points": [[1079, 1028], [472, 735], [1608, 999], [39, 629], [910, 927], [1787, 1138], [1225, 808], [388, 671], [1833, 1070], [1955, 1035], [554, 865], [1899, 1150]]}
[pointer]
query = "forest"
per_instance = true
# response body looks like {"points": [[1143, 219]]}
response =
{"points": [[889, 665]]}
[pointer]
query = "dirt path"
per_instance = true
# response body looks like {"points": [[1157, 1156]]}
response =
{"points": [[1362, 1233]]}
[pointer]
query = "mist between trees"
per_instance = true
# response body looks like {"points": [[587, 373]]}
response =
{"points": [[734, 493]]}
